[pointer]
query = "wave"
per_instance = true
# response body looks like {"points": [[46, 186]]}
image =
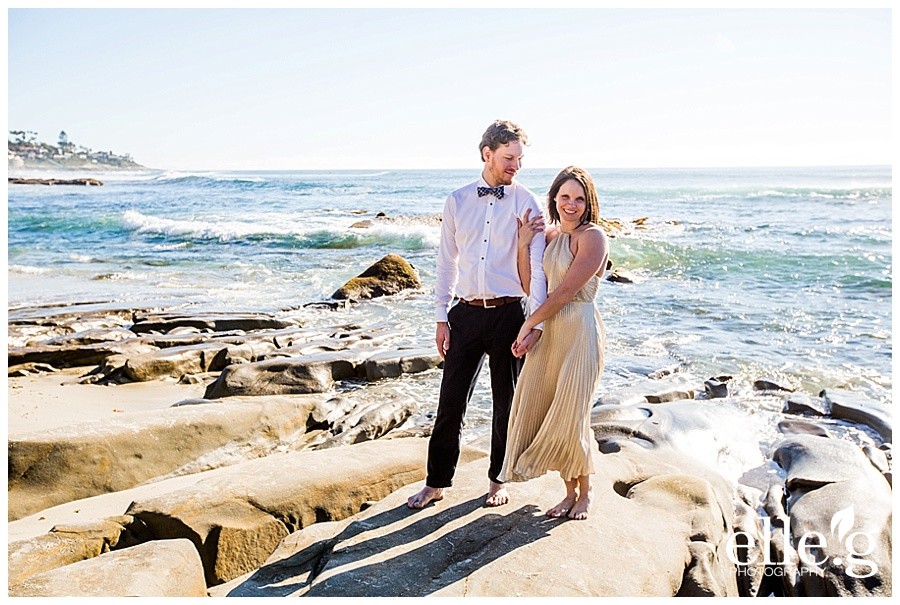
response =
{"points": [[27, 269], [407, 236]]}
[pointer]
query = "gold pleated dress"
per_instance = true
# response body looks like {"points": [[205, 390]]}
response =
{"points": [[549, 423]]}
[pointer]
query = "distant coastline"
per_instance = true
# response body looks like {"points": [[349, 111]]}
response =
{"points": [[25, 152]]}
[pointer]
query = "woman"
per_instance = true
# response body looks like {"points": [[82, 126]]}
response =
{"points": [[549, 425]]}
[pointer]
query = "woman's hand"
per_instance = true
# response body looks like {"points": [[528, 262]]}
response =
{"points": [[528, 226], [525, 341]]}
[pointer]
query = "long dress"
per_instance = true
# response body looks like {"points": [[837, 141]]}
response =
{"points": [[549, 423]]}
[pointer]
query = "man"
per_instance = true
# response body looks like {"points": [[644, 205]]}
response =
{"points": [[477, 262]]}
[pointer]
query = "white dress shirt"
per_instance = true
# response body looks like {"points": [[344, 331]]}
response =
{"points": [[477, 254]]}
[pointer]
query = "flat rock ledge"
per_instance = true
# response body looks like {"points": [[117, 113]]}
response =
{"points": [[235, 517], [51, 467], [169, 568]]}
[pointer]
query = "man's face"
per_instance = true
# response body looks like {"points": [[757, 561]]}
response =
{"points": [[502, 164]]}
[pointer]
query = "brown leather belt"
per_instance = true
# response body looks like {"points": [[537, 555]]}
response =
{"points": [[490, 303]]}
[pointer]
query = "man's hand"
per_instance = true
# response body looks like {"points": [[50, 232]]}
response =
{"points": [[442, 338], [526, 343]]}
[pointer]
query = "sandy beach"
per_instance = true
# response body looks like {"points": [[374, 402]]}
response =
{"points": [[47, 401]]}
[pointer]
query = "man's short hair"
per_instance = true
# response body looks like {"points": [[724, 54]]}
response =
{"points": [[499, 133]]}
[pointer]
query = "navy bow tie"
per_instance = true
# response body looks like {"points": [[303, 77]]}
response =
{"points": [[497, 191]]}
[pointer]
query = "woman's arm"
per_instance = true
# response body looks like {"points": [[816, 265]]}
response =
{"points": [[590, 256]]}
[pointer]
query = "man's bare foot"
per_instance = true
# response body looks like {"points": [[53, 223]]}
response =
{"points": [[424, 496], [497, 495], [579, 510], [563, 507]]}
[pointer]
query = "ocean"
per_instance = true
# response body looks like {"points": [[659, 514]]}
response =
{"points": [[780, 273]]}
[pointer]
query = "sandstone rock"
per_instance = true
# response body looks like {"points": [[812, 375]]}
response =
{"points": [[51, 467], [169, 568], [459, 547], [27, 369], [295, 490], [62, 546], [69, 356], [389, 275], [172, 362], [91, 336], [370, 422], [286, 375], [294, 559], [392, 364]]}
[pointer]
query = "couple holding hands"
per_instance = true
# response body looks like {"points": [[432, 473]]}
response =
{"points": [[495, 252]]}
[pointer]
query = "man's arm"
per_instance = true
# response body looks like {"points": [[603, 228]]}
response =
{"points": [[447, 273], [538, 286]]}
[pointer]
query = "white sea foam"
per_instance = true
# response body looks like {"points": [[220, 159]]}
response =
{"points": [[28, 269], [319, 233]]}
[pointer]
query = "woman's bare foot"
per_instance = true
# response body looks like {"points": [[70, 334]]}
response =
{"points": [[497, 495], [563, 507], [579, 510], [424, 496]]}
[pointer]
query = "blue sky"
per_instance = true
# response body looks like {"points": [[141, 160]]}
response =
{"points": [[391, 88]]}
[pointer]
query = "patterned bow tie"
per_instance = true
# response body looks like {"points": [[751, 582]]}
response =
{"points": [[497, 191]]}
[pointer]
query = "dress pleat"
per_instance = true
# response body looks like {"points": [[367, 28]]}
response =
{"points": [[549, 424]]}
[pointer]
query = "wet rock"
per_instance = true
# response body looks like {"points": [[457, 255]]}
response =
{"points": [[803, 404], [638, 389], [793, 426], [333, 305], [715, 389], [841, 503], [670, 395], [718, 434], [47, 468], [388, 276], [764, 384], [168, 568], [164, 323], [292, 490], [621, 276], [847, 405]]}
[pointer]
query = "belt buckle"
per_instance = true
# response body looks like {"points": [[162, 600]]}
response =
{"points": [[487, 306]]}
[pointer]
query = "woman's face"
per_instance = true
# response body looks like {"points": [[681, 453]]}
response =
{"points": [[570, 201]]}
